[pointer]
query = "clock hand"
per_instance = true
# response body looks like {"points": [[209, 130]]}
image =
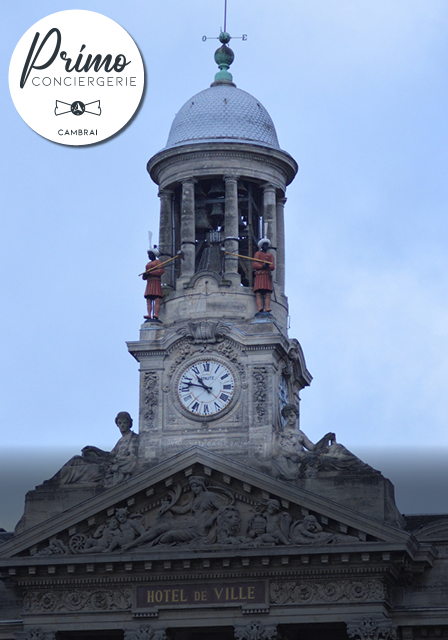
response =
{"points": [[201, 386], [202, 383]]}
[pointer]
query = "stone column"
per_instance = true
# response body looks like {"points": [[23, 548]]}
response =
{"points": [[187, 230], [166, 245], [231, 228], [280, 266], [269, 217]]}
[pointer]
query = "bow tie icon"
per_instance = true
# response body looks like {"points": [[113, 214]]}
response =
{"points": [[77, 108]]}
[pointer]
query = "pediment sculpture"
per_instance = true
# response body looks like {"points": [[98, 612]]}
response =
{"points": [[200, 515]]}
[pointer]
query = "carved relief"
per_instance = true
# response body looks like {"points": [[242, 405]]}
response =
{"points": [[35, 634], [145, 632], [304, 592], [55, 548], [193, 522], [150, 397], [371, 629], [205, 515], [183, 349], [78, 600], [229, 525], [205, 332], [228, 351], [119, 532], [260, 393], [256, 630], [274, 526]]}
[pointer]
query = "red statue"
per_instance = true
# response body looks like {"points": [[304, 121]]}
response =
{"points": [[263, 266], [153, 293]]}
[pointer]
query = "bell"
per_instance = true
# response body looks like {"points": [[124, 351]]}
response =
{"points": [[242, 191], [199, 192], [217, 212], [202, 221], [217, 189]]}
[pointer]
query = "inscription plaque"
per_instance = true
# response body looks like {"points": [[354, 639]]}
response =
{"points": [[200, 594]]}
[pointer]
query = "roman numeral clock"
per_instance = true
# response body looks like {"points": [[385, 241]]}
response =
{"points": [[206, 388]]}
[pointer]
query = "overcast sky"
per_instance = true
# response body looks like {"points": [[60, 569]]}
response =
{"points": [[358, 92]]}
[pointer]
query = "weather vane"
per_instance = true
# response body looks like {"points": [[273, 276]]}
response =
{"points": [[225, 37]]}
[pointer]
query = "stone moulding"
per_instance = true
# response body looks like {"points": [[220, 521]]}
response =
{"points": [[308, 591], [164, 166], [82, 600]]}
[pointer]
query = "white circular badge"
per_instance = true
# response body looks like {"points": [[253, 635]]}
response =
{"points": [[76, 77]]}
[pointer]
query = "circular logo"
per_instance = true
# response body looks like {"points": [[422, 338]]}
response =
{"points": [[76, 77], [77, 108]]}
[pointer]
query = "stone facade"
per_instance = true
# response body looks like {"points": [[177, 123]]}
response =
{"points": [[220, 516]]}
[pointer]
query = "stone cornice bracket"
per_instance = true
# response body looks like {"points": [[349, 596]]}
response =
{"points": [[165, 192], [145, 632], [186, 180], [256, 630], [35, 634], [371, 629]]}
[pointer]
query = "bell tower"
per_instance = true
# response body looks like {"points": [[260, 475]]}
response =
{"points": [[216, 371]]}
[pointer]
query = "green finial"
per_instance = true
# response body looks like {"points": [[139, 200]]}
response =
{"points": [[224, 57]]}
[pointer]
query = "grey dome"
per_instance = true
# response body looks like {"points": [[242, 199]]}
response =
{"points": [[223, 113]]}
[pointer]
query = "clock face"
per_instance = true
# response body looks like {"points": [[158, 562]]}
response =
{"points": [[206, 388]]}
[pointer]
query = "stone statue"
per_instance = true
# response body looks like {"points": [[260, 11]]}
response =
{"points": [[295, 456], [291, 446], [109, 468], [263, 266], [153, 292], [198, 516]]}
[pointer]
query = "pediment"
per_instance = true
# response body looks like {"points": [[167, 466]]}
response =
{"points": [[199, 501], [436, 531]]}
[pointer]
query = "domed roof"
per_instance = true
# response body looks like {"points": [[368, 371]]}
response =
{"points": [[223, 113]]}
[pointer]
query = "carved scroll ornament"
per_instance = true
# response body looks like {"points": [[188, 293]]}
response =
{"points": [[306, 591], [371, 629], [145, 632], [256, 630], [77, 600]]}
